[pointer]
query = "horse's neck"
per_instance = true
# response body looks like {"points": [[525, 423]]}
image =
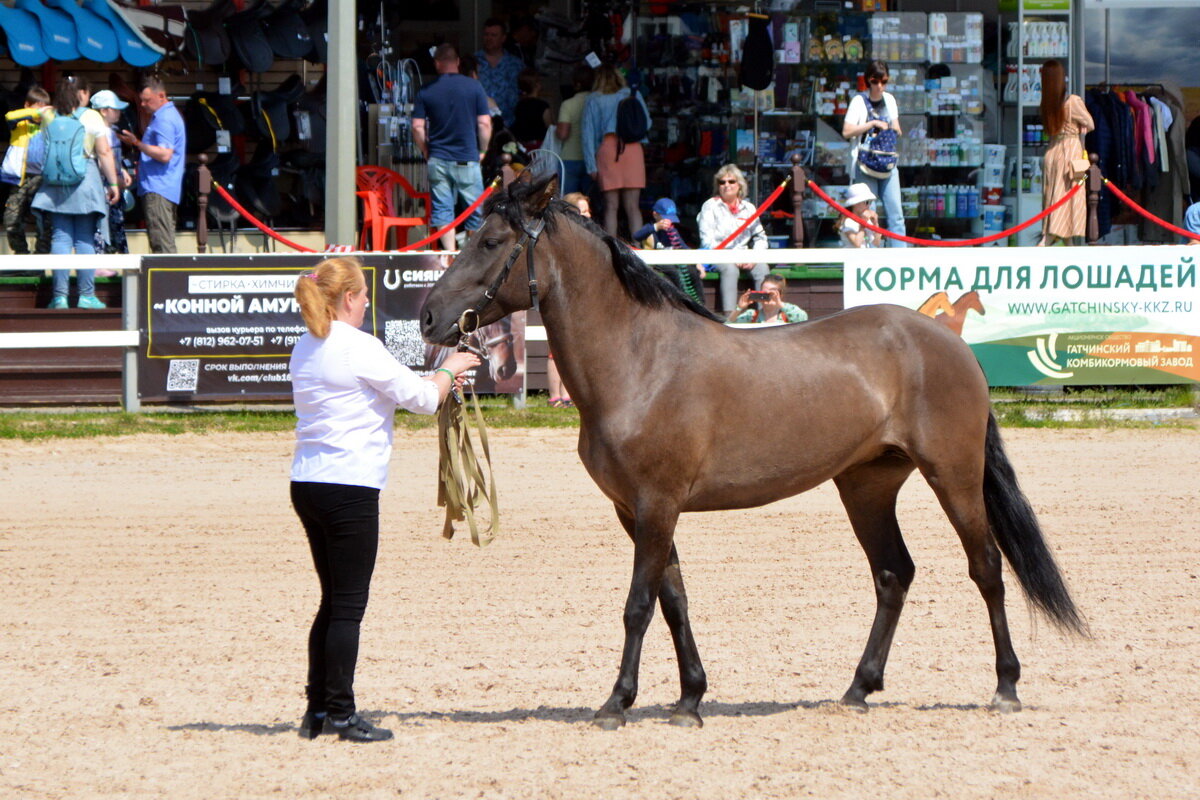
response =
{"points": [[592, 324]]}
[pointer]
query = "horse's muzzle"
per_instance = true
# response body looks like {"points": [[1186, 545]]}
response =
{"points": [[436, 331]]}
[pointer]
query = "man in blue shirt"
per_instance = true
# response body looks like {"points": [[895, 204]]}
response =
{"points": [[160, 164], [498, 70], [452, 128]]}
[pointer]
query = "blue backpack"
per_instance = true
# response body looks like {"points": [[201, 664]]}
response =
{"points": [[877, 154], [65, 162]]}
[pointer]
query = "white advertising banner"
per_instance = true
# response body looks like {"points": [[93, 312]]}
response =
{"points": [[1051, 315]]}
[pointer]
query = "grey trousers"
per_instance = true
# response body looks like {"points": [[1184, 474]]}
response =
{"points": [[729, 281], [160, 222]]}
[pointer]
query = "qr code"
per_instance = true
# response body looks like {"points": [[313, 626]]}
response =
{"points": [[183, 375], [402, 337]]}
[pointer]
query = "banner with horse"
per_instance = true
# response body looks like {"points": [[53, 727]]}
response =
{"points": [[1052, 315]]}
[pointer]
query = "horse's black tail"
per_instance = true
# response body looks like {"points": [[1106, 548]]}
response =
{"points": [[1016, 529]]}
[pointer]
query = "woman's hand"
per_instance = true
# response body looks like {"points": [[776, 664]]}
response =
{"points": [[459, 362], [744, 301]]}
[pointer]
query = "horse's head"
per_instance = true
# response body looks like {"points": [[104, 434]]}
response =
{"points": [[491, 277]]}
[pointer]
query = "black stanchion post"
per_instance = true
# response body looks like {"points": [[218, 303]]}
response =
{"points": [[204, 186], [799, 184], [1095, 183]]}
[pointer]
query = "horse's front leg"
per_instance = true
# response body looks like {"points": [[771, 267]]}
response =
{"points": [[652, 534]]}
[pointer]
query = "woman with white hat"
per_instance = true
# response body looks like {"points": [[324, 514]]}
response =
{"points": [[858, 201], [110, 107], [871, 111]]}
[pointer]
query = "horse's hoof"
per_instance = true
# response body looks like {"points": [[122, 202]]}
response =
{"points": [[608, 722], [854, 703], [1005, 705], [686, 719]]}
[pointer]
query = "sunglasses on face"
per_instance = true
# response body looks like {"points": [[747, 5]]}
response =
{"points": [[733, 183], [879, 81]]}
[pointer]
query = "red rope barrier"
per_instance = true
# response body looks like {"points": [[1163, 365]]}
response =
{"points": [[938, 242], [758, 212], [1125, 199], [254, 220], [457, 221]]}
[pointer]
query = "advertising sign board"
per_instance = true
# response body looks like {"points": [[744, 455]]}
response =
{"points": [[223, 327], [1051, 315]]}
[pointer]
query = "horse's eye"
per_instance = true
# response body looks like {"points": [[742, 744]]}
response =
{"points": [[491, 244]]}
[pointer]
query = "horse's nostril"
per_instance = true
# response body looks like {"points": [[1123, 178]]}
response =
{"points": [[427, 322]]}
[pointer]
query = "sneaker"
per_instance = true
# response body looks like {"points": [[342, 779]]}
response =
{"points": [[357, 729], [87, 301], [58, 302]]}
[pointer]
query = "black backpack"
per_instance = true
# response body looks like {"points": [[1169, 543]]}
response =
{"points": [[632, 125]]}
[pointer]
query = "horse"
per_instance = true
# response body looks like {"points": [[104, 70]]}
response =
{"points": [[873, 394]]}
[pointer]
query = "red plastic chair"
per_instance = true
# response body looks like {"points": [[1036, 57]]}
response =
{"points": [[377, 224], [383, 184]]}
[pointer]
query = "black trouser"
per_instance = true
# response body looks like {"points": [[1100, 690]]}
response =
{"points": [[342, 524]]}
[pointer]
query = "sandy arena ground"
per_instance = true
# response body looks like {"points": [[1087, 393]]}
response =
{"points": [[157, 593]]}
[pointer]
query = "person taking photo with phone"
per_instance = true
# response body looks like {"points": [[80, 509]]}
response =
{"points": [[765, 306]]}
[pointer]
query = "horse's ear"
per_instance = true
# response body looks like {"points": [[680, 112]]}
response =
{"points": [[538, 202]]}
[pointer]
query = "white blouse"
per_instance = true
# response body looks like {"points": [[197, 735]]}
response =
{"points": [[346, 388]]}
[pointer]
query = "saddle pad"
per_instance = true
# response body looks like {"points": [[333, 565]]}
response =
{"points": [[248, 40], [24, 36], [94, 37], [286, 31], [58, 30], [164, 27], [135, 49]]}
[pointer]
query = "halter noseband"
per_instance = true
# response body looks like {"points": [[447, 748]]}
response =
{"points": [[526, 243]]}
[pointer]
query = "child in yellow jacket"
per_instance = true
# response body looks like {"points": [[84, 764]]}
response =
{"points": [[25, 178]]}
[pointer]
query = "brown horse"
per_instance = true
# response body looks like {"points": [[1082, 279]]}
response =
{"points": [[872, 394]]}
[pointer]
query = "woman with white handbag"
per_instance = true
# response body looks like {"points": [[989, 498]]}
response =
{"points": [[1066, 120]]}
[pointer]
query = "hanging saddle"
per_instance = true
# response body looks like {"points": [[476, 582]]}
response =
{"points": [[286, 32], [316, 18], [207, 41], [248, 40], [269, 111], [204, 115]]}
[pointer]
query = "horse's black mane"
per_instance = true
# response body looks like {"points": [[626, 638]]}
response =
{"points": [[641, 282]]}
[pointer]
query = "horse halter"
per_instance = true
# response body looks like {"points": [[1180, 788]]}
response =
{"points": [[525, 244]]}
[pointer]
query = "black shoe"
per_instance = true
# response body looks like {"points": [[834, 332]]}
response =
{"points": [[311, 726], [357, 729]]}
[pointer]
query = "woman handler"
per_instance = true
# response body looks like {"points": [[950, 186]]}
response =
{"points": [[346, 387]]}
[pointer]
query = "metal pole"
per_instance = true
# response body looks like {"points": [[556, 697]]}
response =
{"points": [[341, 140], [130, 400]]}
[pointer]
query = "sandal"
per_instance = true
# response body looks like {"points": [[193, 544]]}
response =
{"points": [[555, 402]]}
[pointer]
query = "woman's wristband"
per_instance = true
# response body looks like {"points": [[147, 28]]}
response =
{"points": [[453, 377]]}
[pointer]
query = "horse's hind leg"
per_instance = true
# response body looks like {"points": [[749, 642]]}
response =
{"points": [[655, 573], [869, 494], [960, 491]]}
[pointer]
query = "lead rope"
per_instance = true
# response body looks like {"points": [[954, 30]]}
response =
{"points": [[462, 486]]}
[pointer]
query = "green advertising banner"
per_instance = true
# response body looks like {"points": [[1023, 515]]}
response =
{"points": [[1053, 315]]}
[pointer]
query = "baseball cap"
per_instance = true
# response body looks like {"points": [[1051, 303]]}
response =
{"points": [[106, 98], [665, 207]]}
